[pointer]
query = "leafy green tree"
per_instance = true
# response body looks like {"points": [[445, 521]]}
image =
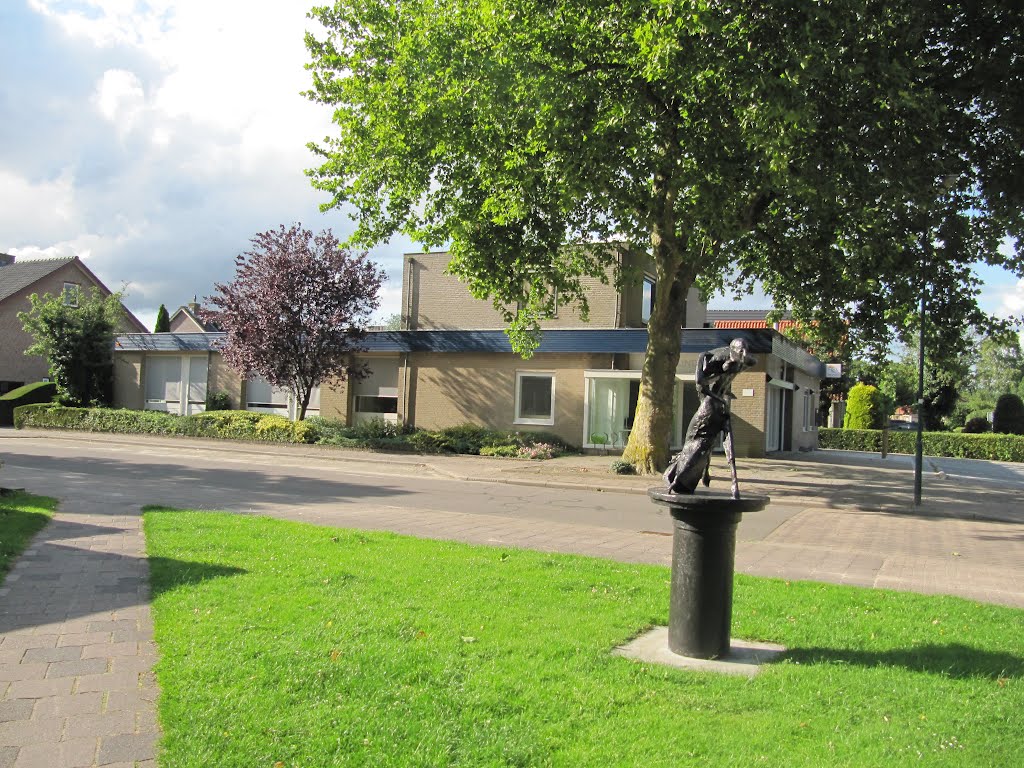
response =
{"points": [[802, 144], [163, 321], [77, 342], [1000, 366], [863, 407]]}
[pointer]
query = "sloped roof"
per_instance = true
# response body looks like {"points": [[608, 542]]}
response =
{"points": [[18, 276]]}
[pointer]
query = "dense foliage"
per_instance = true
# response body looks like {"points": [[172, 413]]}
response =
{"points": [[848, 154], [77, 342], [953, 444], [863, 408], [296, 310]]}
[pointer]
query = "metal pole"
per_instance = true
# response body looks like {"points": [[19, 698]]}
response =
{"points": [[919, 452]]}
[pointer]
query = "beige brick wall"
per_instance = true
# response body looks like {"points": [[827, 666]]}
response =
{"points": [[128, 391], [748, 414], [14, 364], [221, 378], [437, 301], [462, 388], [182, 323], [334, 400]]}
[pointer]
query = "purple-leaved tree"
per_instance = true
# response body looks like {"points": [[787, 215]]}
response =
{"points": [[297, 310]]}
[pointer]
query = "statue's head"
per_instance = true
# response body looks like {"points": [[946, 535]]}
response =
{"points": [[738, 350]]}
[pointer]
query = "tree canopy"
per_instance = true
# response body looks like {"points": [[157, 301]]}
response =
{"points": [[846, 153], [296, 311], [77, 340]]}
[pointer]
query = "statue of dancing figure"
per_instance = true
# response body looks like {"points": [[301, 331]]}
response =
{"points": [[715, 371]]}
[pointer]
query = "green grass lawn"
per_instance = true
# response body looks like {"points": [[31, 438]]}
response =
{"points": [[21, 517], [283, 644]]}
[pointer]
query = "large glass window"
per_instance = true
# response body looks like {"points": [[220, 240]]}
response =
{"points": [[611, 398], [647, 307], [535, 398]]}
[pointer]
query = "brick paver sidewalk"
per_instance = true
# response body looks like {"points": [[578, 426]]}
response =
{"points": [[76, 649]]}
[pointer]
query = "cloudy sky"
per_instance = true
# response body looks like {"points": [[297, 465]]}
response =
{"points": [[154, 138]]}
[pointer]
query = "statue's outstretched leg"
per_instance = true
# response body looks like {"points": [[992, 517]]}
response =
{"points": [[730, 456]]}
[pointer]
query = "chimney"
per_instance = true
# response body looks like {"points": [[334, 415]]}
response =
{"points": [[6, 259]]}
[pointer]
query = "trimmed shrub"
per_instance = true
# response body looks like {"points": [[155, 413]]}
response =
{"points": [[507, 451], [1008, 417], [959, 445], [620, 467], [977, 425], [863, 408], [29, 394], [218, 401]]}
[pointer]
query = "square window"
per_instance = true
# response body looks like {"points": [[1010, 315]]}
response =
{"points": [[71, 291], [535, 398]]}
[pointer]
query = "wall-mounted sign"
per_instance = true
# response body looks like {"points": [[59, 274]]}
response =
{"points": [[833, 370]]}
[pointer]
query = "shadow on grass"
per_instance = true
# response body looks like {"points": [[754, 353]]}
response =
{"points": [[955, 661], [166, 575]]}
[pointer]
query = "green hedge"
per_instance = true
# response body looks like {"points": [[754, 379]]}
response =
{"points": [[960, 445], [246, 425], [239, 425], [37, 392]]}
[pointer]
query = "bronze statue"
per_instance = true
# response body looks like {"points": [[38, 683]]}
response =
{"points": [[715, 371]]}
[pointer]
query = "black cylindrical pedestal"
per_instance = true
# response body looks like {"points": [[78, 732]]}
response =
{"points": [[703, 551]]}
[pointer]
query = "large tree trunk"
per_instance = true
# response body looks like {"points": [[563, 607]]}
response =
{"points": [[648, 447]]}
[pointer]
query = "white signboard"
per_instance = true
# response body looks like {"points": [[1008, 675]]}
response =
{"points": [[833, 370]]}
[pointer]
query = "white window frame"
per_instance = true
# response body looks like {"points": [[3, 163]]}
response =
{"points": [[71, 294], [548, 422], [810, 412]]}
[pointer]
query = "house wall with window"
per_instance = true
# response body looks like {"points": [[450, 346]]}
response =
{"points": [[501, 391], [57, 277]]}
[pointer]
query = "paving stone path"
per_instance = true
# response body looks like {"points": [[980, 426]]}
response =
{"points": [[76, 645]]}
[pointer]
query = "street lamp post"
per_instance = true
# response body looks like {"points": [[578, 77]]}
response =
{"points": [[919, 449]]}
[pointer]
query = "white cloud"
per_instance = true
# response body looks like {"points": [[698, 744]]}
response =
{"points": [[184, 133], [30, 206], [1012, 300], [120, 98]]}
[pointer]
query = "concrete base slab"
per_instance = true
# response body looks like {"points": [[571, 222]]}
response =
{"points": [[745, 657]]}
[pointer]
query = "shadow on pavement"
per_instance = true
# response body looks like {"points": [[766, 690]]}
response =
{"points": [[64, 576], [213, 488]]}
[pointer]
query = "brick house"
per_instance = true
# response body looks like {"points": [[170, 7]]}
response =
{"points": [[451, 363], [65, 276]]}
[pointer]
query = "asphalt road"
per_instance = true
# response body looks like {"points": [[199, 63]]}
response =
{"points": [[230, 478]]}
